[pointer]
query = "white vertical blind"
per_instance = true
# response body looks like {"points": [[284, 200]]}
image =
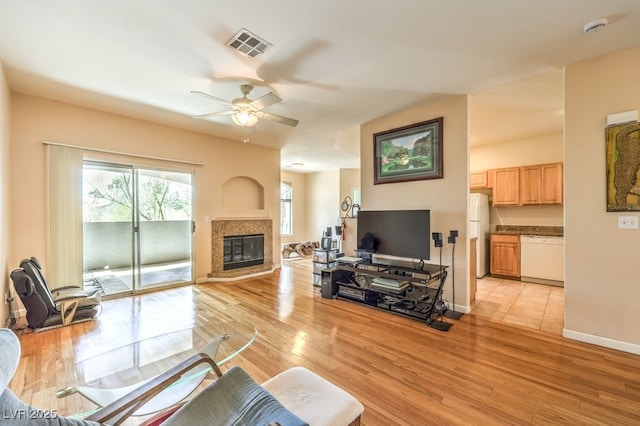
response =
{"points": [[65, 216]]}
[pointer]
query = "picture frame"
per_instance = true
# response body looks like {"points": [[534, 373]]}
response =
{"points": [[623, 167], [409, 153]]}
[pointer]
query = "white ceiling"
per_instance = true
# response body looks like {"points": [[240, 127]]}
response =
{"points": [[336, 64]]}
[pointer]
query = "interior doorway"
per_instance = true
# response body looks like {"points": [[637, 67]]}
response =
{"points": [[137, 227]]}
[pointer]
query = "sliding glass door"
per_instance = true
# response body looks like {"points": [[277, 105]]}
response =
{"points": [[108, 225], [137, 230], [164, 227]]}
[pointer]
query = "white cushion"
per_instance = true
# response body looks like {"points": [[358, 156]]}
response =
{"points": [[313, 398], [9, 356]]}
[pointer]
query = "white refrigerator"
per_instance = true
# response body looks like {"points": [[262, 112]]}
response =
{"points": [[479, 228]]}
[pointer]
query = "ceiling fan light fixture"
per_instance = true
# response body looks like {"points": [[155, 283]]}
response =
{"points": [[244, 118]]}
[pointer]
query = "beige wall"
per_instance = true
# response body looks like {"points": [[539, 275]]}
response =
{"points": [[602, 289], [35, 120], [534, 150], [527, 216], [349, 180], [446, 198], [298, 183], [323, 202], [5, 266]]}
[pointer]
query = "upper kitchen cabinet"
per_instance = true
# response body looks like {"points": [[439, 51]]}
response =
{"points": [[506, 187], [530, 188], [551, 187], [481, 179], [541, 184], [528, 185]]}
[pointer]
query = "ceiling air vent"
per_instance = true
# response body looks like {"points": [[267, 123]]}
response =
{"points": [[248, 43]]}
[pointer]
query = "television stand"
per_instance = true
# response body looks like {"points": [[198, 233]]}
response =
{"points": [[402, 288]]}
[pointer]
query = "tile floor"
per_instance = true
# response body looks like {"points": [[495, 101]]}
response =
{"points": [[519, 303]]}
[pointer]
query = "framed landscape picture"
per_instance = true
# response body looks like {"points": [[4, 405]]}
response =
{"points": [[408, 153]]}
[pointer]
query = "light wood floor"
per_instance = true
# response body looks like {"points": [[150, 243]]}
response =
{"points": [[480, 372]]}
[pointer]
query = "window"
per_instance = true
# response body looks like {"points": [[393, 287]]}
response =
{"points": [[356, 196], [286, 212]]}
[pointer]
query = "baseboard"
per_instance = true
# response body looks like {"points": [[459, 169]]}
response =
{"points": [[17, 315], [461, 308], [542, 281], [602, 341]]}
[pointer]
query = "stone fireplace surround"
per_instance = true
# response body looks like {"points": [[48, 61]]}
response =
{"points": [[221, 228]]}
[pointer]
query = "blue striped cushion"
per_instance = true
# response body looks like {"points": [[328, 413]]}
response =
{"points": [[234, 399]]}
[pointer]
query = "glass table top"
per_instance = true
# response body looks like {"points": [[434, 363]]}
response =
{"points": [[103, 378]]}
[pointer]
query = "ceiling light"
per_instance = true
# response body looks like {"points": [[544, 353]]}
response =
{"points": [[244, 118], [596, 25]]}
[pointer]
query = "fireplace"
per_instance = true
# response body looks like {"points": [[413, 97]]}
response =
{"points": [[253, 234], [241, 251]]}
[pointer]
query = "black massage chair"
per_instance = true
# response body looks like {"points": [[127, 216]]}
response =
{"points": [[52, 308]]}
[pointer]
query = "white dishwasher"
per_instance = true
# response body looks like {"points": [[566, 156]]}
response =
{"points": [[542, 259]]}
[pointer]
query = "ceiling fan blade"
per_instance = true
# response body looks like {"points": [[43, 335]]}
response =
{"points": [[213, 114], [278, 118], [211, 97], [265, 101]]}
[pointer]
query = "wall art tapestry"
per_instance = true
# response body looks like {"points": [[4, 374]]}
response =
{"points": [[623, 167]]}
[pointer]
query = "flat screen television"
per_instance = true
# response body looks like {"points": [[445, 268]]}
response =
{"points": [[399, 233]]}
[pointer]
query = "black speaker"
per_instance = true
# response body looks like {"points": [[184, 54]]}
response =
{"points": [[437, 238], [338, 230], [328, 231], [452, 236], [329, 281], [325, 243]]}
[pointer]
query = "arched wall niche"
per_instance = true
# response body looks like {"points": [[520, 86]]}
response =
{"points": [[242, 193]]}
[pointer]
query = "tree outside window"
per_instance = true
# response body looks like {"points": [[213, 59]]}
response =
{"points": [[159, 197]]}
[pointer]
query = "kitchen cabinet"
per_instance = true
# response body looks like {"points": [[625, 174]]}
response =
{"points": [[551, 184], [506, 187], [481, 179], [505, 255], [528, 185], [541, 184]]}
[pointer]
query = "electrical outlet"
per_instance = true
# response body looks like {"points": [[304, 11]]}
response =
{"points": [[627, 222]]}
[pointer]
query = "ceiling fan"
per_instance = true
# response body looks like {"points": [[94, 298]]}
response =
{"points": [[246, 112]]}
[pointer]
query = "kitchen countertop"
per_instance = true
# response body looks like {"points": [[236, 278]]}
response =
{"points": [[551, 231]]}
